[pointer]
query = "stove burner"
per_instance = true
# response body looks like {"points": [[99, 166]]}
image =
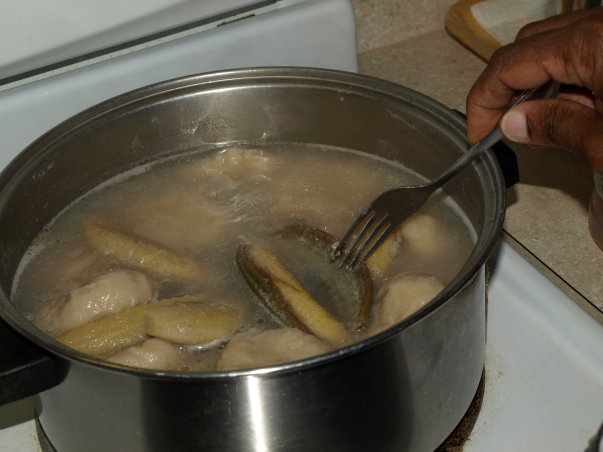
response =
{"points": [[456, 441]]}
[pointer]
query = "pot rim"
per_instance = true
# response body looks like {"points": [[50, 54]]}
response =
{"points": [[347, 82]]}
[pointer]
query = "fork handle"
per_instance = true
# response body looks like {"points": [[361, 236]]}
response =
{"points": [[545, 91], [474, 151]]}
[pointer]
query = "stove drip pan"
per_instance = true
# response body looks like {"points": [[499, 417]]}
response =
{"points": [[456, 441], [45, 444]]}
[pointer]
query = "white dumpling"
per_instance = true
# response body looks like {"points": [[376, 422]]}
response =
{"points": [[258, 348], [234, 163], [401, 297], [180, 219], [109, 293], [66, 267], [71, 265], [151, 354], [311, 194], [423, 234]]}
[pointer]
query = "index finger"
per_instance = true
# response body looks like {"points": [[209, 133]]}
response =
{"points": [[511, 69]]}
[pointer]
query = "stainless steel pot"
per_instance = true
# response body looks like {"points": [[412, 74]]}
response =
{"points": [[405, 389]]}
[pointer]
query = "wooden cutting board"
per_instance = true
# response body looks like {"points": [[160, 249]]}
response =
{"points": [[461, 21]]}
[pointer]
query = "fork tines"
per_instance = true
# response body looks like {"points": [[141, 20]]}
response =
{"points": [[365, 235]]}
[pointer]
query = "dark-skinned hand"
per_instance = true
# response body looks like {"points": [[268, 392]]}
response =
{"points": [[567, 48]]}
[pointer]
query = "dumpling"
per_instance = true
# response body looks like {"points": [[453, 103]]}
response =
{"points": [[109, 293], [234, 163], [310, 194], [151, 354], [423, 234], [401, 297], [180, 220], [258, 348], [66, 267]]}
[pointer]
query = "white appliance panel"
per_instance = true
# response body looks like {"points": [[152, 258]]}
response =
{"points": [[36, 33], [317, 33]]}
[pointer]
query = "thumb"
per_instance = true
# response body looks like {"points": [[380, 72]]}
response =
{"points": [[559, 123]]}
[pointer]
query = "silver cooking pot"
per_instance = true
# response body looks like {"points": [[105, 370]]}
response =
{"points": [[404, 389]]}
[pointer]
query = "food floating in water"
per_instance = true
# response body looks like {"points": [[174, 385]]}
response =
{"points": [[349, 294], [132, 251], [284, 295], [419, 234], [259, 348], [119, 331], [75, 267], [151, 354], [233, 163], [402, 296], [109, 293], [194, 323], [422, 233], [172, 220], [184, 239], [382, 257]]}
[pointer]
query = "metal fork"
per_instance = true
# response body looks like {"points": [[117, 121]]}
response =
{"points": [[381, 217]]}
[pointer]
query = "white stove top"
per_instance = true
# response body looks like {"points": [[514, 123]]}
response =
{"points": [[544, 355], [544, 365]]}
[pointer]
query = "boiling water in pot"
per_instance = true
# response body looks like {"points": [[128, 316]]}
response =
{"points": [[143, 270]]}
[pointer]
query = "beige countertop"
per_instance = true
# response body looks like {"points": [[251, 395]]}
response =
{"points": [[547, 211]]}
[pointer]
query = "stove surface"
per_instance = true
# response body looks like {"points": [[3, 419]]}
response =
{"points": [[544, 366]]}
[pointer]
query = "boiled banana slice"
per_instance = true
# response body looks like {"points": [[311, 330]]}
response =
{"points": [[345, 289], [420, 233], [131, 250], [380, 260], [117, 332], [194, 323], [285, 297]]}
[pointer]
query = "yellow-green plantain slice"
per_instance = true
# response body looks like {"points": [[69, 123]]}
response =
{"points": [[357, 294], [380, 260], [131, 250], [284, 295], [117, 332], [194, 323]]}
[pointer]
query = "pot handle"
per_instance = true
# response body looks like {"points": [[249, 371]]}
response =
{"points": [[596, 443], [25, 369], [507, 160]]}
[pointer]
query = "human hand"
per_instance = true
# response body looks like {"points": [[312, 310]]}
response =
{"points": [[566, 48]]}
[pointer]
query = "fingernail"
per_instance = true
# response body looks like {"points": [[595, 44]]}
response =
{"points": [[514, 125]]}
